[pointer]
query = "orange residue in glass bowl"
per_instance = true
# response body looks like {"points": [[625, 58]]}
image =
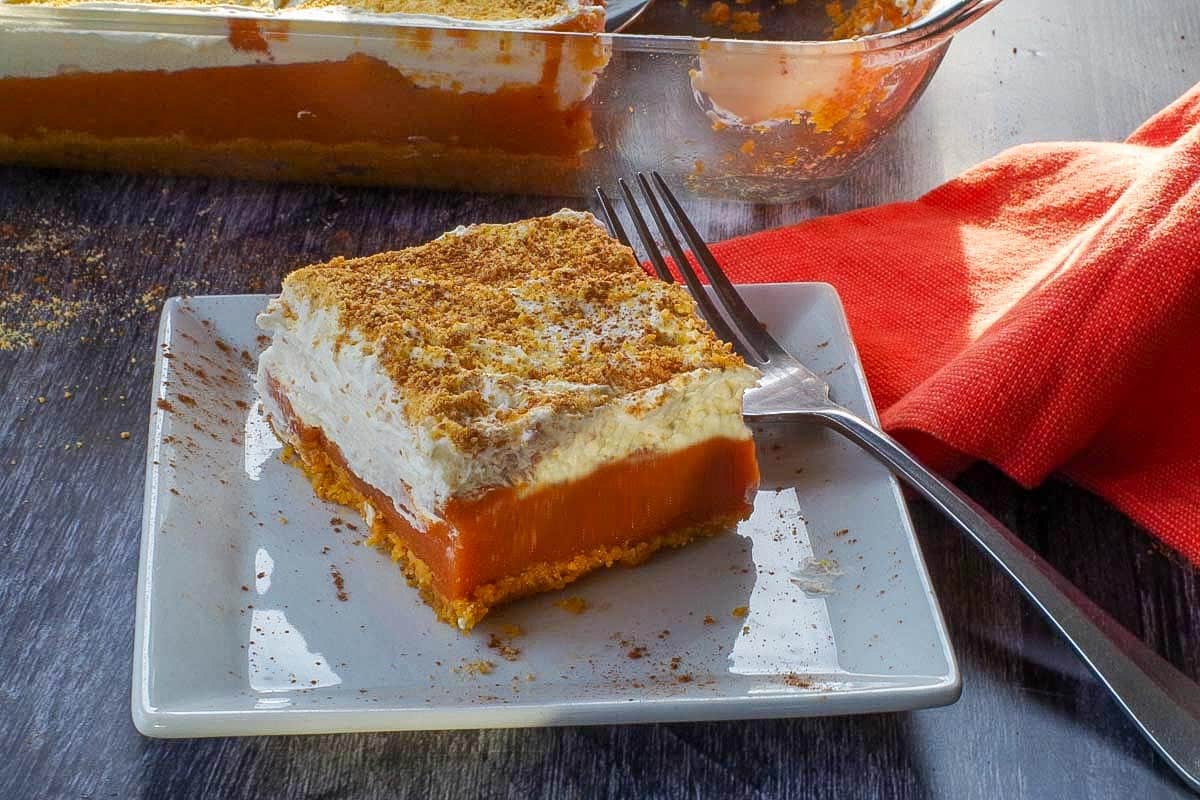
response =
{"points": [[872, 16]]}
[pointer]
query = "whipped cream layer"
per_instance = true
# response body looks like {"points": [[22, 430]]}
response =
{"points": [[468, 56], [348, 396]]}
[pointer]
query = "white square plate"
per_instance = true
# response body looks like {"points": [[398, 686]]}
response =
{"points": [[259, 612]]}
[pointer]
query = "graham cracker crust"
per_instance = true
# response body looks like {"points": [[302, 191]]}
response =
{"points": [[427, 165]]}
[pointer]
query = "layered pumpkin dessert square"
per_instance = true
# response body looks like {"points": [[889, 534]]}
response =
{"points": [[509, 407]]}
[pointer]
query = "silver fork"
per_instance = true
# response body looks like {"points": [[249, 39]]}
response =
{"points": [[1162, 702]]}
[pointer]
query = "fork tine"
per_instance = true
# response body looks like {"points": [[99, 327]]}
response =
{"points": [[610, 216], [742, 317], [703, 301], [639, 223]]}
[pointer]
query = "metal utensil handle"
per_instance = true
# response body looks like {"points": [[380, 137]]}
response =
{"points": [[1163, 702]]}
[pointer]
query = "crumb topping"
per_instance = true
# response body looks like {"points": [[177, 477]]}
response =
{"points": [[484, 10], [489, 324]]}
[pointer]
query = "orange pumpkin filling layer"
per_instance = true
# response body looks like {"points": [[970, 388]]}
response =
{"points": [[358, 119], [506, 544], [360, 99]]}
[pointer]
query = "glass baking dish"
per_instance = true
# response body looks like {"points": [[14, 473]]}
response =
{"points": [[248, 92]]}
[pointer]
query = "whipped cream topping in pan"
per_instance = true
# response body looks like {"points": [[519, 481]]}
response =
{"points": [[531, 14], [498, 408], [481, 59], [545, 15]]}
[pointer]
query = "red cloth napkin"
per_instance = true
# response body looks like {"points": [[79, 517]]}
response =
{"points": [[1040, 312]]}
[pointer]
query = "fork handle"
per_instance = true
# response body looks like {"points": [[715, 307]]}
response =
{"points": [[1162, 702]]}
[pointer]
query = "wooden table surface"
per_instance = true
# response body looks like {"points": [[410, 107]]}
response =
{"points": [[105, 249]]}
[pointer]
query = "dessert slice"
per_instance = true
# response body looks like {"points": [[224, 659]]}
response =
{"points": [[509, 407]]}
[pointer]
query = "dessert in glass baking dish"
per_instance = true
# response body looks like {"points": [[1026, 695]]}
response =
{"points": [[509, 407], [746, 100], [450, 93]]}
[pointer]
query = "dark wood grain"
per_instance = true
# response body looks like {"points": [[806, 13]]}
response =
{"points": [[1031, 722]]}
